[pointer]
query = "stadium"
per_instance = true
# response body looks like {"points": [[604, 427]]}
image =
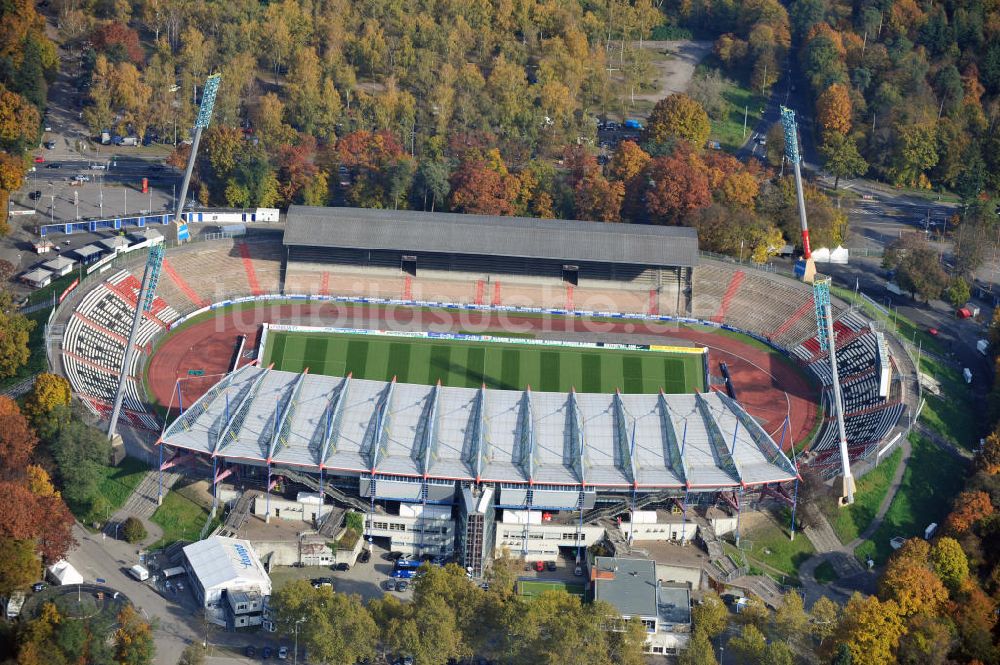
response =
{"points": [[476, 383]]}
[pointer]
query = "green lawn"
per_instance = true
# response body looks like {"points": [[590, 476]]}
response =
{"points": [[462, 363], [930, 482], [117, 483], [825, 574], [770, 544], [729, 130], [950, 414], [180, 517], [849, 522]]}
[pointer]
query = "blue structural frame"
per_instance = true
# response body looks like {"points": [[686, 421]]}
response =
{"points": [[139, 221]]}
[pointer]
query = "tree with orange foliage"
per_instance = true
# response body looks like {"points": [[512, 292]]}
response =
{"points": [[678, 117], [119, 42], [975, 616], [628, 161], [870, 629], [913, 586], [988, 459], [969, 507], [18, 121], [598, 199], [17, 440], [833, 109], [133, 639], [481, 185], [18, 519], [678, 187]]}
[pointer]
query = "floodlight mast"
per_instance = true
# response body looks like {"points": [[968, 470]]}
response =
{"points": [[806, 268], [147, 290], [204, 118], [826, 337]]}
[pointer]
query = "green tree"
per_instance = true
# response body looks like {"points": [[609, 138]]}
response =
{"points": [[133, 530], [710, 616], [19, 565], [778, 653], [317, 190], [790, 619], [133, 639], [333, 627], [750, 645], [699, 651], [958, 292], [80, 451], [48, 392], [918, 269], [678, 117], [843, 656], [949, 562], [914, 153], [842, 157], [14, 331], [823, 619]]}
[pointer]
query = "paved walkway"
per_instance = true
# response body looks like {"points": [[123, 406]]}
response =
{"points": [[852, 575]]}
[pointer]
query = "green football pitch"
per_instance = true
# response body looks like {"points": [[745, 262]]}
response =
{"points": [[469, 364]]}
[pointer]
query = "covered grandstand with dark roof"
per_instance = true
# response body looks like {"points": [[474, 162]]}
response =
{"points": [[447, 241]]}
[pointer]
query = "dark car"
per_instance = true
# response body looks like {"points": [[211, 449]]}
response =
{"points": [[49, 145], [551, 565], [265, 653], [392, 556], [402, 585], [365, 556], [35, 195], [250, 651], [342, 566], [51, 165], [39, 586]]}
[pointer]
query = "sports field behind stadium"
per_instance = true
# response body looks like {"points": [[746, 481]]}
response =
{"points": [[469, 364]]}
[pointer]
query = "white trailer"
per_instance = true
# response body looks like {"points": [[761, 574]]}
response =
{"points": [[139, 573], [14, 604], [173, 572]]}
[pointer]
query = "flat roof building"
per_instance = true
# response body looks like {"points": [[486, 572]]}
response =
{"points": [[59, 266], [37, 278], [631, 586], [219, 567]]}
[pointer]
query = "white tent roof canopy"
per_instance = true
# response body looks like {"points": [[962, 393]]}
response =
{"points": [[354, 426]]}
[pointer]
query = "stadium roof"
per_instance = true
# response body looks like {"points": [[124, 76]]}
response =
{"points": [[354, 426], [521, 237]]}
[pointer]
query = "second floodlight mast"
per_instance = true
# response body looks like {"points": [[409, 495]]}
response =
{"points": [[202, 121], [805, 268]]}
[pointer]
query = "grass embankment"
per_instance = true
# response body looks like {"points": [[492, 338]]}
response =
{"points": [[182, 516], [740, 101], [116, 484], [932, 478], [851, 521], [767, 542]]}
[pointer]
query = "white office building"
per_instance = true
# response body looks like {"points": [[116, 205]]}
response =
{"points": [[228, 580]]}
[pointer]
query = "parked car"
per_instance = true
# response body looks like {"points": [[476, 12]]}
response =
{"points": [[539, 566], [365, 556], [551, 565], [282, 653], [49, 145], [402, 585], [343, 567], [266, 652], [250, 651], [578, 571], [81, 178], [39, 159], [35, 195], [53, 166], [393, 556], [180, 586], [39, 586]]}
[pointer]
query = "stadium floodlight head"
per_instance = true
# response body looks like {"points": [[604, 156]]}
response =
{"points": [[828, 342], [806, 268], [791, 135], [208, 100]]}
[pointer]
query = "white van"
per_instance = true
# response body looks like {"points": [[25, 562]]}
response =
{"points": [[139, 573]]}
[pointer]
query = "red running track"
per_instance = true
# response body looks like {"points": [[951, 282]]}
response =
{"points": [[768, 385]]}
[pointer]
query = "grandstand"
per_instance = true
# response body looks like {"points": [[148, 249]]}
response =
{"points": [[584, 447]]}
